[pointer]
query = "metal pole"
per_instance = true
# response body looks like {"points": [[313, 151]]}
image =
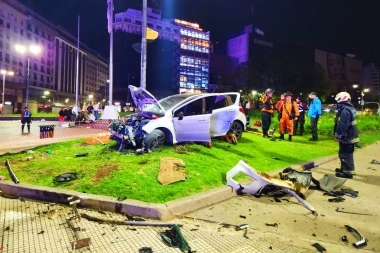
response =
{"points": [[27, 83], [111, 62], [143, 46], [2, 103], [77, 74]]}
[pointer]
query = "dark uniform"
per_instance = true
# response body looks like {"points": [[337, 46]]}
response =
{"points": [[26, 117], [346, 132], [266, 112], [302, 107]]}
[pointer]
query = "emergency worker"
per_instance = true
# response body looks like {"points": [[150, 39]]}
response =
{"points": [[289, 113], [267, 111]]}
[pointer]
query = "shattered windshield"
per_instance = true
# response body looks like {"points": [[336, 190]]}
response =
{"points": [[171, 101]]}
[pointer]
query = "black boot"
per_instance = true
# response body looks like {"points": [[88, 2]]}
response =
{"points": [[290, 138], [22, 128], [28, 128], [281, 136]]}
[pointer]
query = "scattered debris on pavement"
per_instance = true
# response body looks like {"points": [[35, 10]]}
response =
{"points": [[375, 161], [171, 170], [348, 212], [174, 238], [362, 242], [241, 227], [291, 181], [319, 247], [145, 250], [271, 224]]}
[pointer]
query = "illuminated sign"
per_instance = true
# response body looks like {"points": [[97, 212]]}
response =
{"points": [[263, 42], [8, 103], [258, 31]]}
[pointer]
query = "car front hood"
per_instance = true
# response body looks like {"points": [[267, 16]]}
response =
{"points": [[142, 97]]}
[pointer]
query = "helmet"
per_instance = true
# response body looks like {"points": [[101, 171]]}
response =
{"points": [[342, 96], [269, 90], [288, 93]]}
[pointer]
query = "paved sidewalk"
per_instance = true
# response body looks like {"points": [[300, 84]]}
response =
{"points": [[36, 227], [12, 140], [297, 226]]}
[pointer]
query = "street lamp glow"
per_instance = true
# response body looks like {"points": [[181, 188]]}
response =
{"points": [[34, 49], [254, 93], [355, 86], [4, 73], [90, 96], [20, 49], [46, 92], [366, 90]]}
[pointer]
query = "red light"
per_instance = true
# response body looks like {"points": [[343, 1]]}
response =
{"points": [[241, 110], [45, 106], [155, 116]]}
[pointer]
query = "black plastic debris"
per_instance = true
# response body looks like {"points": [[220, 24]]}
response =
{"points": [[174, 238], [145, 250], [81, 154], [319, 247], [271, 224], [66, 177], [336, 200], [242, 216], [241, 227], [375, 161], [344, 239]]}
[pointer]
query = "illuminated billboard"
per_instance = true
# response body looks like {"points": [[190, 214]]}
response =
{"points": [[341, 70]]}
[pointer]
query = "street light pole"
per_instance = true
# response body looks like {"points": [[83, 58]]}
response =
{"points": [[27, 83]]}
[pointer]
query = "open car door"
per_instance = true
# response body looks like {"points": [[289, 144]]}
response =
{"points": [[191, 121], [225, 110]]}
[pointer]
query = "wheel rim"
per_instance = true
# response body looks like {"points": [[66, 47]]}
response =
{"points": [[236, 129], [158, 141]]}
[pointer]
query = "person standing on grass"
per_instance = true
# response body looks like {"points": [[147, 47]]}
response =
{"points": [[302, 107], [347, 134], [96, 110], [279, 105], [289, 113], [315, 112], [26, 117], [267, 111]]}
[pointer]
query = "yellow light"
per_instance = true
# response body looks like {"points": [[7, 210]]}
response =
{"points": [[366, 90], [20, 49]]}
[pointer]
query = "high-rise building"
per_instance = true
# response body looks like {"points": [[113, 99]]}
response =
{"points": [[189, 50], [53, 70], [371, 80]]}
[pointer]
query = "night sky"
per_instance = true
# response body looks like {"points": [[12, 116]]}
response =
{"points": [[340, 26]]}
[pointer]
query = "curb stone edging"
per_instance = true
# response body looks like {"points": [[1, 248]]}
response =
{"points": [[135, 207]]}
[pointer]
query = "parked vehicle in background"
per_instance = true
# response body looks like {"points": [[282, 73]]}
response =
{"points": [[179, 118]]}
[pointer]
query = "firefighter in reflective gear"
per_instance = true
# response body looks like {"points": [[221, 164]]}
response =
{"points": [[290, 112], [266, 111], [347, 134]]}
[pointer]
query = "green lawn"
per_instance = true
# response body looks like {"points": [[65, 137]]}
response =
{"points": [[135, 177]]}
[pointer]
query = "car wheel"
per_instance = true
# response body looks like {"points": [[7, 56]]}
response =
{"points": [[155, 139], [237, 129]]}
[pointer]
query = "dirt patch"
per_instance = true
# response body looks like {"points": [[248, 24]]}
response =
{"points": [[97, 139], [103, 172]]}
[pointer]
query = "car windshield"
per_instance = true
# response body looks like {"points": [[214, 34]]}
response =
{"points": [[171, 101]]}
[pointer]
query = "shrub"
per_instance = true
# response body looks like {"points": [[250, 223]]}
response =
{"points": [[326, 122]]}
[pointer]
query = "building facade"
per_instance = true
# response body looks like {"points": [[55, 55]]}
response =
{"points": [[190, 49], [371, 80], [52, 71]]}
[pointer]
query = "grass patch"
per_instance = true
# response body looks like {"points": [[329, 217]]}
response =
{"points": [[107, 172]]}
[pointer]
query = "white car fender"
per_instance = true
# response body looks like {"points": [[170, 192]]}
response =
{"points": [[160, 123]]}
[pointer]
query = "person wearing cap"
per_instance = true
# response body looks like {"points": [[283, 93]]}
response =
{"points": [[302, 107], [289, 112], [347, 134], [315, 111], [26, 117], [266, 111]]}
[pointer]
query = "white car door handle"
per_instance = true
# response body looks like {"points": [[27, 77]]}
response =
{"points": [[202, 119]]}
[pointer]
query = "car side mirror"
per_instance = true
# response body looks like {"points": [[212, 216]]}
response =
{"points": [[180, 116]]}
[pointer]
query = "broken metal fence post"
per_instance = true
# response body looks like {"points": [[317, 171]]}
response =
{"points": [[11, 172]]}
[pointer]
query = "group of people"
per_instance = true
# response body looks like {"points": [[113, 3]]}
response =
{"points": [[68, 114], [291, 115]]}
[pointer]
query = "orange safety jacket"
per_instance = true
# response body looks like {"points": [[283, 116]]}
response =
{"points": [[267, 105]]}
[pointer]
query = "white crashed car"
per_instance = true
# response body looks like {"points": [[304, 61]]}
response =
{"points": [[179, 118]]}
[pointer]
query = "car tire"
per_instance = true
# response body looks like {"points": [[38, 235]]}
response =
{"points": [[155, 139], [237, 129]]}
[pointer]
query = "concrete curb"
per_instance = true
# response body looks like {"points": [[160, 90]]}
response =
{"points": [[135, 207]]}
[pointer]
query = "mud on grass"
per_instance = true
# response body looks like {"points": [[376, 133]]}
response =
{"points": [[105, 171]]}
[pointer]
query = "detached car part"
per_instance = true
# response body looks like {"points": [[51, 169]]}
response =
{"points": [[260, 180], [362, 241]]}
